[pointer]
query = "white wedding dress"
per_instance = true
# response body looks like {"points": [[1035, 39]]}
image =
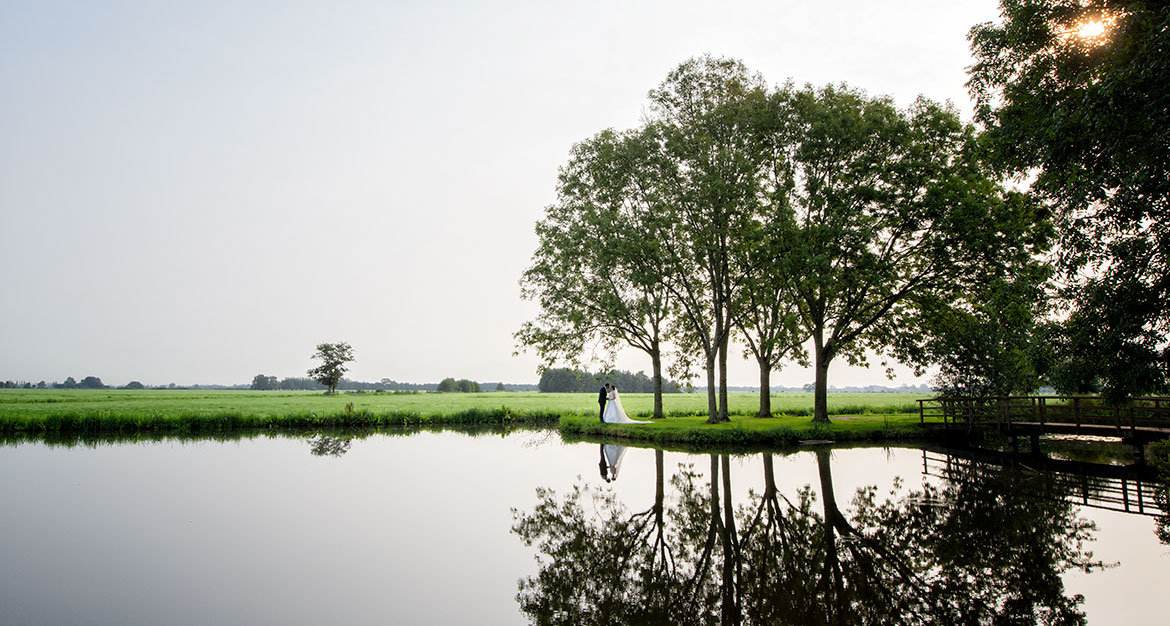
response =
{"points": [[613, 459], [615, 414]]}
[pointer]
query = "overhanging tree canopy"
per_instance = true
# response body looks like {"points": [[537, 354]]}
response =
{"points": [[1087, 113]]}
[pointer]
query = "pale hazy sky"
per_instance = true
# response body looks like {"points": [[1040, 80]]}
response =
{"points": [[198, 192]]}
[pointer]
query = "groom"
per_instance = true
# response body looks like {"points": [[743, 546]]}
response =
{"points": [[601, 397]]}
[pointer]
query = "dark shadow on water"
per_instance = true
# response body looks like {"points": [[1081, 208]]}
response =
{"points": [[981, 547], [324, 436]]}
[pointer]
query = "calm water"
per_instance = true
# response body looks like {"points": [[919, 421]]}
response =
{"points": [[449, 528]]}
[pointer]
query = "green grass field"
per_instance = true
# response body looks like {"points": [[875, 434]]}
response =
{"points": [[24, 412], [23, 404]]}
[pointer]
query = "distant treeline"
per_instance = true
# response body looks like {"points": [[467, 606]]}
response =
{"points": [[262, 382], [89, 382], [270, 383], [93, 382], [564, 380]]}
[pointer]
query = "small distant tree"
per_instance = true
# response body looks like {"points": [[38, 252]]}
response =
{"points": [[264, 383], [500, 387], [333, 358], [469, 386], [463, 385], [134, 384], [91, 382]]}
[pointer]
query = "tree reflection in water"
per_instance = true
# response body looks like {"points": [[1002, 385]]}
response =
{"points": [[973, 551], [324, 445]]}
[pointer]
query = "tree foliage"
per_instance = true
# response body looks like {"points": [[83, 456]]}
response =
{"points": [[594, 275], [891, 208], [463, 385], [988, 336], [564, 380], [1089, 118], [91, 382], [333, 357], [783, 215], [707, 113], [260, 382]]}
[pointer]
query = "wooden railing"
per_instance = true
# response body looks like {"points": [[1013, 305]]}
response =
{"points": [[1149, 413]]}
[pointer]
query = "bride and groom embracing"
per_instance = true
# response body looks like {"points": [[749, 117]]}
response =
{"points": [[611, 407]]}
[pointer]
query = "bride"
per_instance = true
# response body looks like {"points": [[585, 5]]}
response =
{"points": [[614, 413]]}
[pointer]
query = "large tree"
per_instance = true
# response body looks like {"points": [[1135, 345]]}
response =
{"points": [[891, 207], [333, 358], [707, 111], [595, 273], [764, 310], [1073, 94]]}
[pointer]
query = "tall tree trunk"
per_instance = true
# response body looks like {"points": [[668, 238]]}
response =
{"points": [[730, 597], [769, 476], [724, 338], [712, 407], [821, 357], [832, 569], [656, 364], [657, 601], [828, 496], [765, 388], [659, 486], [716, 518], [722, 334]]}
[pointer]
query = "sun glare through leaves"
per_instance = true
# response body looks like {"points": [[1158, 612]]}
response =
{"points": [[1091, 29]]}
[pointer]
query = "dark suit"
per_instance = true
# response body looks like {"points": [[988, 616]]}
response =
{"points": [[601, 397]]}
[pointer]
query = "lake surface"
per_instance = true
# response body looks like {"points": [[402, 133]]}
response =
{"points": [[451, 528]]}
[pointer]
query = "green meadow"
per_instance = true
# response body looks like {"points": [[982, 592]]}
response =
{"points": [[111, 411]]}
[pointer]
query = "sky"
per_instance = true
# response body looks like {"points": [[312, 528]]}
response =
{"points": [[199, 192]]}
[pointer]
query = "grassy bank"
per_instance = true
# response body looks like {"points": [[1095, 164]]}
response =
{"points": [[96, 412], [750, 430]]}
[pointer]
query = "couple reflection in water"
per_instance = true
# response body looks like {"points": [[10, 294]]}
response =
{"points": [[611, 461]]}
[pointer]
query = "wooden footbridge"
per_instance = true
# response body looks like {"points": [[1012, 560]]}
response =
{"points": [[1137, 423], [1124, 488]]}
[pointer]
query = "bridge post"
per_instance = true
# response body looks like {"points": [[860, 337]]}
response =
{"points": [[1139, 452]]}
